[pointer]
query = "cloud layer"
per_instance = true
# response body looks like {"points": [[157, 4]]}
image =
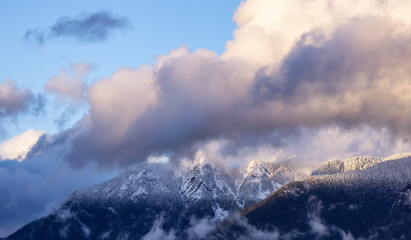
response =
{"points": [[350, 74], [93, 27]]}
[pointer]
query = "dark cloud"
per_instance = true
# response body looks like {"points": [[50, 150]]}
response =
{"points": [[93, 27], [356, 77]]}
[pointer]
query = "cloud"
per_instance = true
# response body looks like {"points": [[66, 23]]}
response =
{"points": [[138, 112], [408, 198], [18, 146], [347, 80], [236, 226], [39, 184], [200, 228], [157, 233], [69, 86], [206, 228], [347, 69], [267, 30], [334, 142], [95, 27], [15, 100], [318, 226], [308, 147], [354, 78]]}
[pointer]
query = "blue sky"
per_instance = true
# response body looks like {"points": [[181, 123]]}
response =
{"points": [[156, 27]]}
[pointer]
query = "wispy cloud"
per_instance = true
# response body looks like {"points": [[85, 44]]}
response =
{"points": [[69, 84], [95, 27]]}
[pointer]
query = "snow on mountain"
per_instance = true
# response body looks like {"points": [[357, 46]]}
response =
{"points": [[133, 202], [245, 185], [357, 200], [160, 196], [199, 180], [256, 180], [356, 163], [143, 180], [202, 180]]}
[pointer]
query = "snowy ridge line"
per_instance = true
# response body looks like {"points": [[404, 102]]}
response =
{"points": [[356, 163], [199, 180]]}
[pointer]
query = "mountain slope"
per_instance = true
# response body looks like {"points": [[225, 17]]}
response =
{"points": [[396, 224], [350, 202], [351, 164], [130, 205], [357, 197]]}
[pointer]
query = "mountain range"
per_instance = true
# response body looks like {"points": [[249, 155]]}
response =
{"points": [[360, 197]]}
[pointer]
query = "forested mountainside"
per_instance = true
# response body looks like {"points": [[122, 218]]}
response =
{"points": [[358, 203]]}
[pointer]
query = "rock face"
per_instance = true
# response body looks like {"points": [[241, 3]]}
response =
{"points": [[130, 205], [369, 198]]}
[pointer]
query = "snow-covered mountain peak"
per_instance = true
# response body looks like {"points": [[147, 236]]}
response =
{"points": [[199, 164], [356, 163], [202, 180], [143, 180], [257, 168], [201, 158], [133, 202], [398, 156], [339, 166]]}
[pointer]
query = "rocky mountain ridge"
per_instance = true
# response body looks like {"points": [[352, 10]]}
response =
{"points": [[277, 195], [149, 192], [361, 202]]}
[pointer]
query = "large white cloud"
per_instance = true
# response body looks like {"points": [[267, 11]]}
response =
{"points": [[268, 30], [293, 66], [321, 64], [18, 146]]}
